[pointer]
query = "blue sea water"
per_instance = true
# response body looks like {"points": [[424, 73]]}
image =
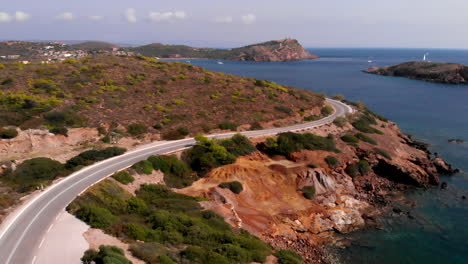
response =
{"points": [[432, 112]]}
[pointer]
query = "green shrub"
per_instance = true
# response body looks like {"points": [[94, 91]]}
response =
{"points": [[228, 125], [177, 174], [137, 129], [164, 259], [207, 154], [363, 167], [234, 186], [33, 173], [143, 167], [308, 192], [8, 133], [7, 81], [340, 121], [106, 255], [173, 134], [290, 142], [288, 257], [45, 86], [89, 157], [383, 153], [284, 109], [311, 118], [123, 177], [350, 139], [238, 145], [326, 110], [364, 123], [352, 170], [366, 138], [95, 216], [332, 161], [64, 118], [136, 206], [59, 131], [338, 97]]}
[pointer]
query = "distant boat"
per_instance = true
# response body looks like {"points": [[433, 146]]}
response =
{"points": [[187, 61], [220, 62], [425, 56], [369, 61]]}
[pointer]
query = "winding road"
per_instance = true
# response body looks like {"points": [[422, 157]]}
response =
{"points": [[22, 232]]}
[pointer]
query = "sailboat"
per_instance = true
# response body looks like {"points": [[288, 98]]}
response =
{"points": [[425, 56]]}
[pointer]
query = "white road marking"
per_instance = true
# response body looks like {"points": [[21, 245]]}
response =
{"points": [[42, 242], [50, 227], [34, 260]]}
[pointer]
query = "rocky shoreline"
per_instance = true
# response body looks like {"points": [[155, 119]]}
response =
{"points": [[272, 207]]}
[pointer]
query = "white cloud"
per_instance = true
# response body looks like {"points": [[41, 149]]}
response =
{"points": [[130, 15], [5, 17], [96, 18], [249, 19], [224, 20], [167, 16], [66, 16], [21, 16]]}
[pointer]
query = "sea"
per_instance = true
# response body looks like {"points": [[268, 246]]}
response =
{"points": [[432, 112]]}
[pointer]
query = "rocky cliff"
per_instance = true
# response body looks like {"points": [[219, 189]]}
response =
{"points": [[276, 50], [426, 71], [273, 206]]}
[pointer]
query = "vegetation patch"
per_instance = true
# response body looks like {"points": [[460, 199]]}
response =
{"points": [[143, 167], [366, 138], [123, 177], [173, 228], [91, 156], [360, 168], [8, 133], [105, 255], [308, 192], [290, 142], [137, 129], [332, 161], [286, 256], [228, 126], [177, 174], [383, 153], [234, 186], [348, 138], [364, 122]]}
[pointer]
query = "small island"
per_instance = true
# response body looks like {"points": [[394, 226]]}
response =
{"points": [[426, 71]]}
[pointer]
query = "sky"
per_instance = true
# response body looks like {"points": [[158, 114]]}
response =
{"points": [[231, 23]]}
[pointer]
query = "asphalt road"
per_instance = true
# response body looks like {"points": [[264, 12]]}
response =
{"points": [[21, 234]]}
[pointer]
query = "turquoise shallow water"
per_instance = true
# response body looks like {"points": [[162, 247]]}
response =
{"points": [[432, 112]]}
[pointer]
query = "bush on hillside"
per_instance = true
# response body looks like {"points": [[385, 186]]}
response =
{"points": [[332, 161], [105, 255], [286, 256], [326, 110], [207, 154], [238, 145], [143, 167], [97, 217], [234, 186], [340, 121], [123, 177], [290, 142], [363, 124], [177, 174], [228, 126], [383, 153], [350, 139], [308, 192], [137, 129], [33, 173], [89, 157], [8, 133], [366, 138], [284, 109], [59, 131]]}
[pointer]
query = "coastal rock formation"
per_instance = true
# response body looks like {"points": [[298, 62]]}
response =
{"points": [[273, 207], [426, 71], [276, 50]]}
